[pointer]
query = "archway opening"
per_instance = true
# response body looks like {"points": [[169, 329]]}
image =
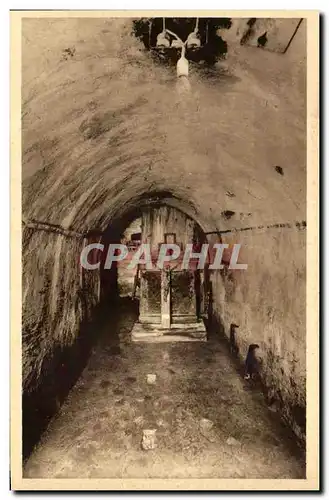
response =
{"points": [[154, 241]]}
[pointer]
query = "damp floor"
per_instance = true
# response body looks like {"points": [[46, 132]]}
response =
{"points": [[209, 422]]}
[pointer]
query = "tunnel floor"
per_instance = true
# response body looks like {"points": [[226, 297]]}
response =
{"points": [[98, 430]]}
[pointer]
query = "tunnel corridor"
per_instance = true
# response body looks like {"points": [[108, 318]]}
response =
{"points": [[106, 135], [111, 286], [89, 419], [209, 422]]}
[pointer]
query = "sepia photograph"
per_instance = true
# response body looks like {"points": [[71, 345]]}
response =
{"points": [[164, 180]]}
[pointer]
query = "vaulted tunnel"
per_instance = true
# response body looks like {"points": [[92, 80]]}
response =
{"points": [[106, 135]]}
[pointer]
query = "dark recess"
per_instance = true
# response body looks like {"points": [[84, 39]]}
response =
{"points": [[279, 170], [227, 214], [262, 40]]}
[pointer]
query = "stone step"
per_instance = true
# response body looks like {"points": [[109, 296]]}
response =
{"points": [[168, 338], [194, 332]]}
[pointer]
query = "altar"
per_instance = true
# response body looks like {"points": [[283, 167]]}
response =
{"points": [[171, 298]]}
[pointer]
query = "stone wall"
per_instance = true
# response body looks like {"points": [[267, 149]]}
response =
{"points": [[56, 299], [267, 301]]}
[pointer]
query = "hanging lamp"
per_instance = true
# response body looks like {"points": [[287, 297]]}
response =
{"points": [[163, 39], [182, 64], [193, 40]]}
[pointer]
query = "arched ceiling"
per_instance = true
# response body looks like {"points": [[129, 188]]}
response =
{"points": [[103, 126]]}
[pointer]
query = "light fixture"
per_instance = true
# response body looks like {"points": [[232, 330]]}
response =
{"points": [[176, 44], [163, 40], [182, 64], [193, 41]]}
